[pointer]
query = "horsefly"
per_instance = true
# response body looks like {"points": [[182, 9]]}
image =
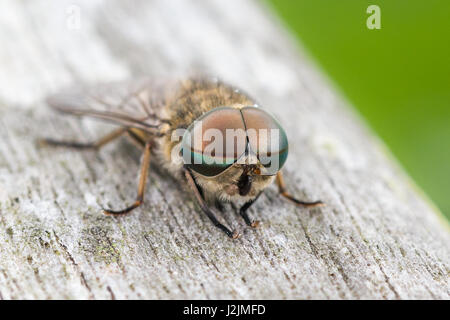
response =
{"points": [[208, 135]]}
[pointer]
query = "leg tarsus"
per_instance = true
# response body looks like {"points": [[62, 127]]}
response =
{"points": [[283, 191], [244, 214], [110, 212], [66, 144], [303, 203]]}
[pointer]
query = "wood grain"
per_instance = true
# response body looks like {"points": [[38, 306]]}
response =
{"points": [[377, 238]]}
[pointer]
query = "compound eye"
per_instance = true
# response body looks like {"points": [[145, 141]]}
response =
{"points": [[214, 141], [267, 139]]}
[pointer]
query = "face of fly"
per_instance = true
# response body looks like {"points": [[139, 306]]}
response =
{"points": [[234, 153]]}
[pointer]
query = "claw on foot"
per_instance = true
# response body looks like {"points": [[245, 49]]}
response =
{"points": [[107, 212], [255, 224], [235, 235]]}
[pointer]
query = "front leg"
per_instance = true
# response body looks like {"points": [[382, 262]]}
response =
{"points": [[194, 187], [283, 191], [243, 212]]}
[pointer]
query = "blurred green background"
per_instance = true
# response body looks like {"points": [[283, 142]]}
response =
{"points": [[398, 77]]}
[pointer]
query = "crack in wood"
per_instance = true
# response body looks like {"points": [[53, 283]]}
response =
{"points": [[76, 266]]}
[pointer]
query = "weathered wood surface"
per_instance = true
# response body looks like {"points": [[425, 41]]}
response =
{"points": [[376, 238]]}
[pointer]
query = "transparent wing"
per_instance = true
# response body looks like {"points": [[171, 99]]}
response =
{"points": [[135, 104]]}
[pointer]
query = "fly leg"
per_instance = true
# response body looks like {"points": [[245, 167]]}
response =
{"points": [[193, 185], [219, 206], [145, 164], [283, 191], [79, 145], [134, 138], [243, 213]]}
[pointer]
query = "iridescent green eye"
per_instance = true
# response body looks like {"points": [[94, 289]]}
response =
{"points": [[266, 138], [214, 141]]}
